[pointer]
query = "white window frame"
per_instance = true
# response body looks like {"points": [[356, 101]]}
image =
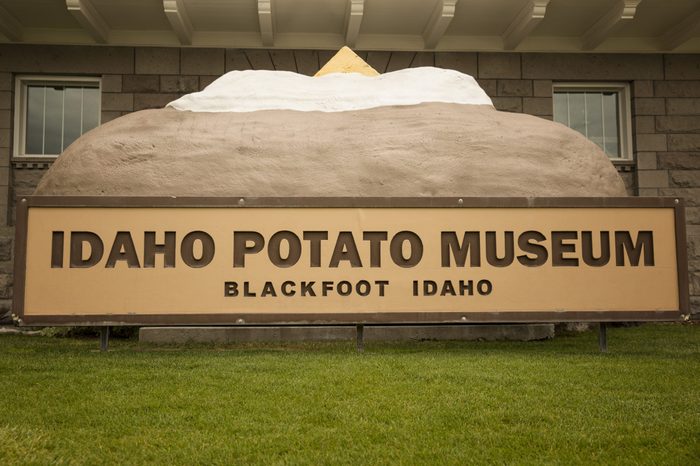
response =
{"points": [[624, 110], [21, 83]]}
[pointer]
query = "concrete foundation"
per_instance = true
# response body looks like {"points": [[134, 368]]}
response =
{"points": [[175, 335]]}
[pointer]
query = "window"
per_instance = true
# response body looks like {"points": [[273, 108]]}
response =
{"points": [[52, 112], [601, 112]]}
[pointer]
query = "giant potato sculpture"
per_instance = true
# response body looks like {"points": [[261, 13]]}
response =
{"points": [[418, 132]]}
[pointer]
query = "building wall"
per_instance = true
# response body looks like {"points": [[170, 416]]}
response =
{"points": [[665, 105]]}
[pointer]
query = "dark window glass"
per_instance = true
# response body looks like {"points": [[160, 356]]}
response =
{"points": [[595, 114], [57, 115]]}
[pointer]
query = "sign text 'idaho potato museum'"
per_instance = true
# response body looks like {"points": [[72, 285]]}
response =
{"points": [[227, 261]]}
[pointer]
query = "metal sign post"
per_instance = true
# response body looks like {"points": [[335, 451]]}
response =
{"points": [[104, 338], [603, 337], [360, 338]]}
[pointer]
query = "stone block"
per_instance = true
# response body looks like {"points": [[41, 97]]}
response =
{"points": [[4, 181], [6, 312], [180, 335], [537, 106], [24, 180], [236, 60], [630, 182], [684, 142], [649, 106], [651, 142], [111, 83], [106, 117], [66, 59], [648, 192], [687, 106], [652, 179], [5, 119], [6, 246], [514, 87], [184, 84], [202, 61], [542, 88], [693, 245], [140, 83], [682, 66], [679, 160], [5, 100], [694, 308], [5, 285], [592, 66], [693, 261], [677, 88], [678, 124], [646, 160], [642, 88], [499, 65], [4, 138], [490, 86], [692, 215], [694, 278], [120, 101], [144, 101], [7, 266], [465, 62], [5, 81], [692, 231], [157, 60], [685, 178], [204, 81], [644, 125], [508, 104], [691, 195]]}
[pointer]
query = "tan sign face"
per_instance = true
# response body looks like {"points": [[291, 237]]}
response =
{"points": [[180, 264]]}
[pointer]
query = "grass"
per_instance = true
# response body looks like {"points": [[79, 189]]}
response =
{"points": [[557, 402]]}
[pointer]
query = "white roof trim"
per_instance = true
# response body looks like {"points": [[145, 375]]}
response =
{"points": [[89, 19], [442, 16], [267, 28], [528, 19], [622, 12], [179, 20]]}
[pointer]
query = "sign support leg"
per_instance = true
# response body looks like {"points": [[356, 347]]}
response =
{"points": [[104, 338], [603, 337], [360, 328]]}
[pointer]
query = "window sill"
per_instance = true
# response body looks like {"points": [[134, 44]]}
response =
{"points": [[33, 161], [624, 165]]}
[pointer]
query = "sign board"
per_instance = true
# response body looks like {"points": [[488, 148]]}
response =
{"points": [[178, 261]]}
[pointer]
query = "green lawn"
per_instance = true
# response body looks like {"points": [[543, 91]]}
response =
{"points": [[557, 401]]}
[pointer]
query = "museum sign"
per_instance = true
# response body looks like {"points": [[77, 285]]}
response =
{"points": [[179, 261]]}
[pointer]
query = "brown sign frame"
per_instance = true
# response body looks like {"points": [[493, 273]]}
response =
{"points": [[25, 203]]}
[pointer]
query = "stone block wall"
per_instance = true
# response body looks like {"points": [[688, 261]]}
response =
{"points": [[665, 99], [667, 126]]}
